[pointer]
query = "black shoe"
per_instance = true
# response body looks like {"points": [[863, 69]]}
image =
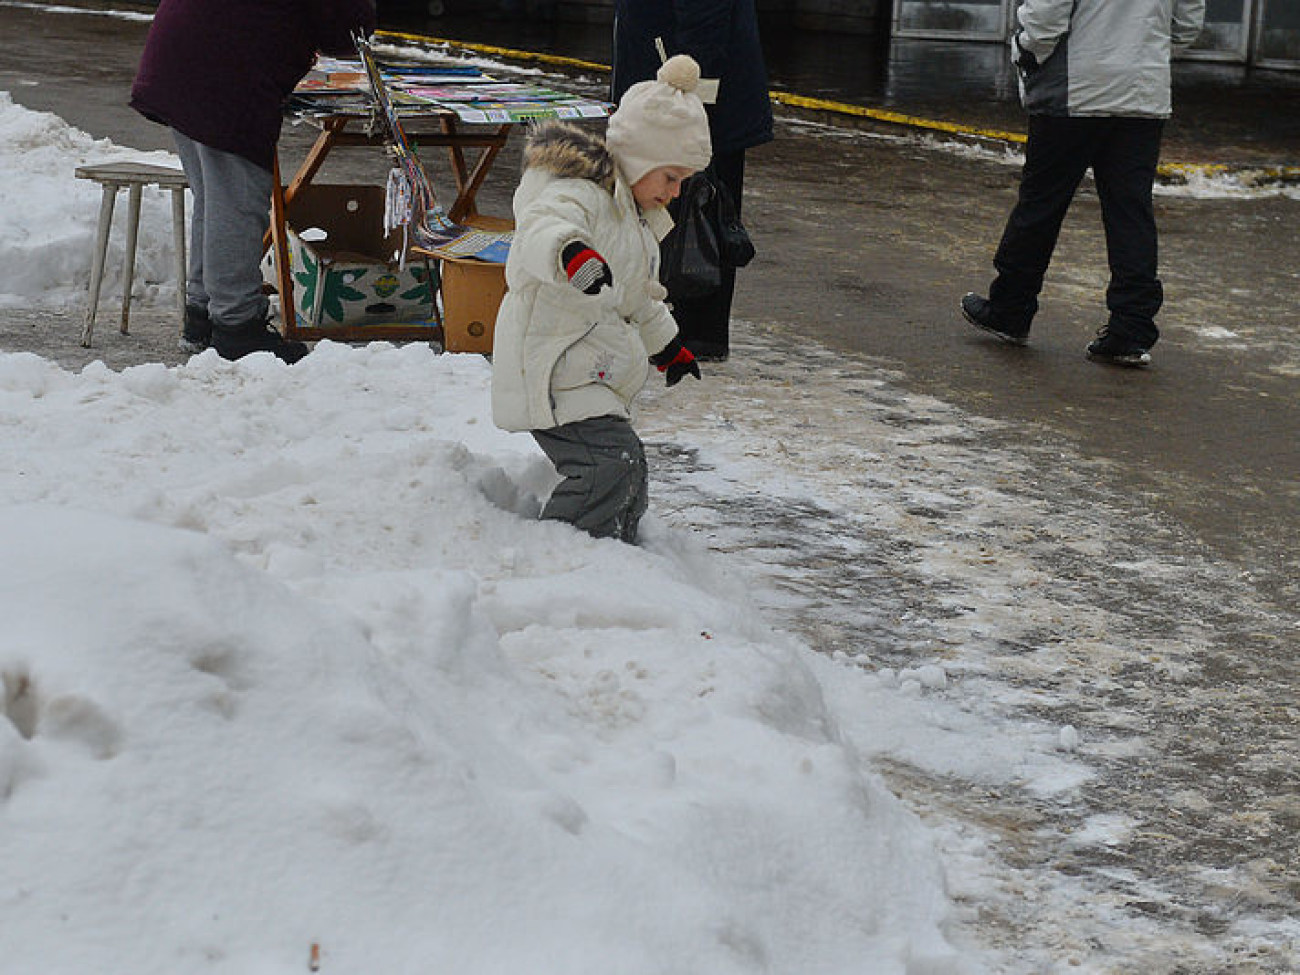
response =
{"points": [[237, 341], [979, 312], [1111, 348], [196, 330]]}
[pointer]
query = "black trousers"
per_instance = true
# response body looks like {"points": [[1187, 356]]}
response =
{"points": [[705, 323], [1122, 153]]}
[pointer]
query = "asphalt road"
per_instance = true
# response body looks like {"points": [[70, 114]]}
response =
{"points": [[868, 248]]}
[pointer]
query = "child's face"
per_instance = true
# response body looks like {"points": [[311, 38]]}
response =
{"points": [[659, 187]]}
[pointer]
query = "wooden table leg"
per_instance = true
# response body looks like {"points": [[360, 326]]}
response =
{"points": [[311, 164], [315, 157], [469, 182], [280, 243], [465, 207]]}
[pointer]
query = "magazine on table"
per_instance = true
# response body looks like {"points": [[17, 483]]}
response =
{"points": [[390, 90], [435, 87]]}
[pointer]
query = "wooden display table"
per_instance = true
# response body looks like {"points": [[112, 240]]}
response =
{"points": [[401, 104], [346, 131]]}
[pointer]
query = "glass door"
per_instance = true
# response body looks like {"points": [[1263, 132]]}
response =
{"points": [[971, 20], [1226, 36], [1277, 40]]}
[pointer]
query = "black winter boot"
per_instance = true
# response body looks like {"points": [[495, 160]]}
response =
{"points": [[978, 310], [196, 330], [1116, 350], [257, 335]]}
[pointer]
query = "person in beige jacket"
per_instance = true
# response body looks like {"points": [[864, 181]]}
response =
{"points": [[1095, 80], [584, 315]]}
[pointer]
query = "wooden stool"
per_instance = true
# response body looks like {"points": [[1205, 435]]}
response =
{"points": [[133, 176]]}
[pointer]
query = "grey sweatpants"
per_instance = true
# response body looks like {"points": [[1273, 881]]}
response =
{"points": [[603, 465], [232, 211]]}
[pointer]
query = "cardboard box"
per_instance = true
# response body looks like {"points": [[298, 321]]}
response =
{"points": [[471, 296], [349, 275]]}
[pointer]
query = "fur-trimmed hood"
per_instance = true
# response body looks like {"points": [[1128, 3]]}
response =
{"points": [[569, 151]]}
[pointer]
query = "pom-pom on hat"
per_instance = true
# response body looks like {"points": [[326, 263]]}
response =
{"points": [[661, 122]]}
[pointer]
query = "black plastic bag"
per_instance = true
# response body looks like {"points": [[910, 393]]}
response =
{"points": [[707, 237], [690, 266], [734, 246]]}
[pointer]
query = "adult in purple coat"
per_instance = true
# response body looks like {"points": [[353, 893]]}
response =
{"points": [[217, 72]]}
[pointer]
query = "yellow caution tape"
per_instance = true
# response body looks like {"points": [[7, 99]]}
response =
{"points": [[881, 115]]}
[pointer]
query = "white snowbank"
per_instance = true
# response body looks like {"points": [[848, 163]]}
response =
{"points": [[283, 667]]}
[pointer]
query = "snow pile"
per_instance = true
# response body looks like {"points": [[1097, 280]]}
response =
{"points": [[284, 665]]}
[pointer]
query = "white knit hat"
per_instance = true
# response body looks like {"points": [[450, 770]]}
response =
{"points": [[661, 122]]}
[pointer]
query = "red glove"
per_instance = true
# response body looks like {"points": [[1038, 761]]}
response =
{"points": [[586, 269], [676, 361]]}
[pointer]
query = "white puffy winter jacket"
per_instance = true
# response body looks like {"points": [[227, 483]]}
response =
{"points": [[560, 355], [1103, 57]]}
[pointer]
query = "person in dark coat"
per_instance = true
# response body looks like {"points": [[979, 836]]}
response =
{"points": [[217, 73], [722, 35]]}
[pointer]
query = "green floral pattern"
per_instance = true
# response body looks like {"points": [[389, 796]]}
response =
{"points": [[336, 288], [344, 290]]}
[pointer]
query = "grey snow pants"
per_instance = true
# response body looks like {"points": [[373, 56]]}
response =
{"points": [[603, 465]]}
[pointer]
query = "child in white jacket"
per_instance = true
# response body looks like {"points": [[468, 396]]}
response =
{"points": [[584, 316]]}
